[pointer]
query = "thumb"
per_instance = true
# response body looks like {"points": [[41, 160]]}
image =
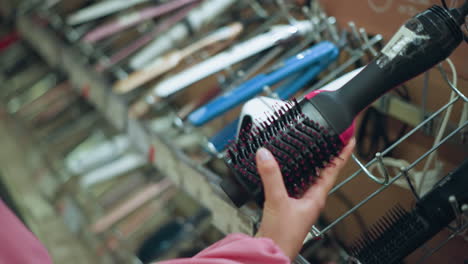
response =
{"points": [[270, 174]]}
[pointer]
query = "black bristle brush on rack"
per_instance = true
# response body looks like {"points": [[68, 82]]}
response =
{"points": [[306, 135], [399, 233]]}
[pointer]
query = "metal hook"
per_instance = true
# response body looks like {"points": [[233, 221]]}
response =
{"points": [[369, 174], [258, 9], [455, 89], [404, 171], [315, 20], [459, 216], [356, 36], [464, 209], [314, 234], [285, 12], [379, 158], [315, 8], [364, 36], [330, 23], [317, 15]]}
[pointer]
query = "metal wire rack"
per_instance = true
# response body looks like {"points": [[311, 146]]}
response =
{"points": [[387, 180], [145, 139]]}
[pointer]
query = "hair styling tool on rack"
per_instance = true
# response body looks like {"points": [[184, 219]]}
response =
{"points": [[172, 59], [317, 58], [304, 136], [72, 117], [121, 188], [196, 19], [147, 193], [399, 233], [67, 136], [140, 219], [42, 102], [23, 80], [55, 109], [170, 235], [90, 155], [128, 50], [124, 164], [245, 71], [100, 9], [129, 20], [255, 109], [237, 53], [32, 93]]}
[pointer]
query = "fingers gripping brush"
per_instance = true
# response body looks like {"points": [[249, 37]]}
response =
{"points": [[304, 136]]}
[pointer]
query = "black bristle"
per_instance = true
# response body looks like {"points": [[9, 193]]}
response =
{"points": [[299, 144], [387, 239]]}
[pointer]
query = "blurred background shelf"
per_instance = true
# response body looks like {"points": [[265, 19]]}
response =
{"points": [[22, 169], [160, 152]]}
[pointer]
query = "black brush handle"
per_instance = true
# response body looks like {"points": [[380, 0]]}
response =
{"points": [[435, 205], [421, 43], [435, 209]]}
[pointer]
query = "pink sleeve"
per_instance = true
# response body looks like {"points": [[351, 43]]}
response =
{"points": [[238, 249], [17, 243]]}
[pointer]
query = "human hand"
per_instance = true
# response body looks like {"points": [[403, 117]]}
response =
{"points": [[287, 220]]}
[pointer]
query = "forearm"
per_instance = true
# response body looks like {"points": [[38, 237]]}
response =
{"points": [[238, 249]]}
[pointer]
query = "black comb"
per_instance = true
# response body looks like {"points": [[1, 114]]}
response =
{"points": [[399, 233]]}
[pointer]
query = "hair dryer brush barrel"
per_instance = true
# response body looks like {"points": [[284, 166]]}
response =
{"points": [[421, 43], [305, 136]]}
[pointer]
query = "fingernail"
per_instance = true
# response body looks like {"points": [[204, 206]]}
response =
{"points": [[264, 154]]}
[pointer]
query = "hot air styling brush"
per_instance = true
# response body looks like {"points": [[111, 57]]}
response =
{"points": [[304, 136]]}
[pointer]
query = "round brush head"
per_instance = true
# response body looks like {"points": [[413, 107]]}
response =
{"points": [[300, 144]]}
